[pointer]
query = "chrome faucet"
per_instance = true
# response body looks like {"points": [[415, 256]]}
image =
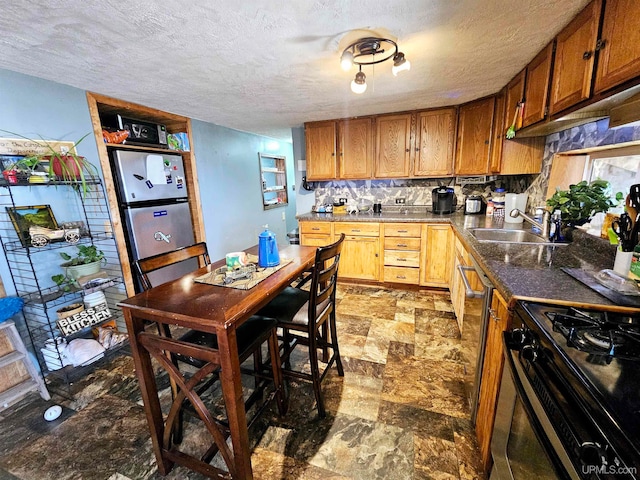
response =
{"points": [[543, 226]]}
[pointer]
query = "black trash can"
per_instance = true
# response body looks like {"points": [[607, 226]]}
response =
{"points": [[294, 237]]}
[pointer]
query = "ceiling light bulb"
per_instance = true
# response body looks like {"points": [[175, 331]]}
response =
{"points": [[359, 84], [400, 63], [346, 61]]}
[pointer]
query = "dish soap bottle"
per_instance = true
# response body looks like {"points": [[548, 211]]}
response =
{"points": [[268, 255], [555, 229]]}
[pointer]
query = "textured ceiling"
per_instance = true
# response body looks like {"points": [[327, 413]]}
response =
{"points": [[265, 66]]}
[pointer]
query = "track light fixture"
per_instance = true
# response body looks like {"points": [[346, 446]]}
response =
{"points": [[370, 51]]}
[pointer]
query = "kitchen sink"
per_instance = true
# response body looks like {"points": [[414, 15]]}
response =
{"points": [[500, 235]]}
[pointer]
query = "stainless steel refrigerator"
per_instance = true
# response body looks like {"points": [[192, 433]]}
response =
{"points": [[152, 194]]}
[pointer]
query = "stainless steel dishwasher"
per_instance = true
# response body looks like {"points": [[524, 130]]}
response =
{"points": [[474, 332]]}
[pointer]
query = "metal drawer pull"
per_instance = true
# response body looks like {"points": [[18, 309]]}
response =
{"points": [[401, 277], [401, 245], [354, 230], [470, 292], [315, 228], [403, 231], [401, 259], [494, 315]]}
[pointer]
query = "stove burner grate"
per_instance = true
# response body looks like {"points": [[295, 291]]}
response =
{"points": [[599, 333]]}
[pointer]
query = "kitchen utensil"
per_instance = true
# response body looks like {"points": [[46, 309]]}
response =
{"points": [[623, 228], [268, 255], [511, 131]]}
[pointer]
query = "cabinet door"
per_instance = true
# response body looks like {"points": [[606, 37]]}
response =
{"points": [[436, 255], [537, 87], [435, 138], [393, 146], [491, 376], [498, 132], [320, 138], [573, 67], [475, 121], [356, 148], [514, 95], [360, 258], [619, 54]]}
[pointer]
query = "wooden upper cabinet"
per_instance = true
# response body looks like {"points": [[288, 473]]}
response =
{"points": [[537, 87], [514, 95], [498, 132], [435, 139], [574, 59], [320, 140], [475, 123], [393, 146], [619, 45], [356, 148]]}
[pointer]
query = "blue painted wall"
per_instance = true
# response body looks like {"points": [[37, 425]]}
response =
{"points": [[227, 164], [230, 187]]}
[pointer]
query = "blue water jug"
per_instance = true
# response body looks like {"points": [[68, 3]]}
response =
{"points": [[268, 255]]}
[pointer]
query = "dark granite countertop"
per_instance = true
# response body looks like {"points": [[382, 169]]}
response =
{"points": [[518, 271]]}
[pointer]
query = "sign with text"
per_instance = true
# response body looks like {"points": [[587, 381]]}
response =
{"points": [[86, 318]]}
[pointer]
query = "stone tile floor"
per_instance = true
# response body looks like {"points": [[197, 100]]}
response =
{"points": [[400, 412]]}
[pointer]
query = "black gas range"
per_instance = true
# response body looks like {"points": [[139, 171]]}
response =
{"points": [[583, 368]]}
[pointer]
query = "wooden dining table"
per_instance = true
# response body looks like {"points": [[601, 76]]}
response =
{"points": [[214, 309]]}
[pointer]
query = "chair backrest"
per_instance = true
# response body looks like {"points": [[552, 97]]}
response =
{"points": [[144, 266], [322, 293]]}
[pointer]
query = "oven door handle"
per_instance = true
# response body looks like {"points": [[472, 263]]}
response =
{"points": [[470, 292]]}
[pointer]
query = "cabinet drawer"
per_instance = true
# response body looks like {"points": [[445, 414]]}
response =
{"points": [[312, 240], [397, 243], [402, 275], [360, 229], [401, 258], [315, 227], [402, 230]]}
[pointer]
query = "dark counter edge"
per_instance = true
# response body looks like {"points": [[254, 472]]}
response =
{"points": [[514, 281]]}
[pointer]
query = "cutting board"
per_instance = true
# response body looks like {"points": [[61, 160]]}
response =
{"points": [[588, 279]]}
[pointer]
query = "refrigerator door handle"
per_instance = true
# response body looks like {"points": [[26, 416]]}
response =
{"points": [[161, 237]]}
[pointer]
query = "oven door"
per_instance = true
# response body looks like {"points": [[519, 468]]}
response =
{"points": [[524, 445]]}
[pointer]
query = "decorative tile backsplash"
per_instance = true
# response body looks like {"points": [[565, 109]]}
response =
{"points": [[417, 192]]}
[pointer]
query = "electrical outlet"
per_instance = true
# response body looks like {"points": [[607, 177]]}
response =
{"points": [[284, 217], [400, 201]]}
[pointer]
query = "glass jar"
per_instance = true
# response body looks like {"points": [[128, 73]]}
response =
{"points": [[498, 202]]}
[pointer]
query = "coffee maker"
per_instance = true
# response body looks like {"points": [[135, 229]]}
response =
{"points": [[443, 200]]}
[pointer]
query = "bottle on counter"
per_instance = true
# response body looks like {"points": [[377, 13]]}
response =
{"points": [[555, 233], [538, 216], [489, 209], [498, 203]]}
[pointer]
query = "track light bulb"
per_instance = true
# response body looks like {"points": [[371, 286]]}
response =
{"points": [[359, 84], [400, 64], [346, 61]]}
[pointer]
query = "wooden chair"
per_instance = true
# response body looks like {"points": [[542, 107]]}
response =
{"points": [[304, 316], [250, 336]]}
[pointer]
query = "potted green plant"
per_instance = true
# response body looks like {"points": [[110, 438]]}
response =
{"points": [[87, 261], [582, 201], [59, 164]]}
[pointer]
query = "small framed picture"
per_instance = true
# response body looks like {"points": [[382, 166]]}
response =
{"points": [[25, 217]]}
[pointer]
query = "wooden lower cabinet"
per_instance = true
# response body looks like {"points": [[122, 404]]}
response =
{"points": [[316, 234], [499, 321], [437, 248], [402, 243], [360, 257]]}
